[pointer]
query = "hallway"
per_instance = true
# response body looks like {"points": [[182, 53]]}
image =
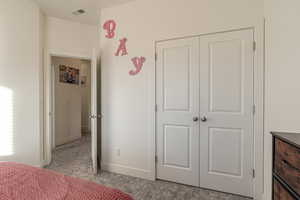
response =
{"points": [[74, 160]]}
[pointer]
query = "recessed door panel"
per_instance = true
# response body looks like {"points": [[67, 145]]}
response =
{"points": [[176, 78], [225, 161], [174, 137], [226, 76]]}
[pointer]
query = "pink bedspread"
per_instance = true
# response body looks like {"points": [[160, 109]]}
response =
{"points": [[21, 182]]}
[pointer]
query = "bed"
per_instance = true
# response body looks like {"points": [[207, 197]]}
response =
{"points": [[22, 182]]}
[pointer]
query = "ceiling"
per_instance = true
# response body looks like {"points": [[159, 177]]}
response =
{"points": [[64, 8]]}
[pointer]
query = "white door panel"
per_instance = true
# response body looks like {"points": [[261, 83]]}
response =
{"points": [[226, 100], [178, 104], [230, 164], [175, 136], [176, 72], [225, 76]]}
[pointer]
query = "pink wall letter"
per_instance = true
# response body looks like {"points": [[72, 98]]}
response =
{"points": [[110, 27], [122, 48], [138, 64]]}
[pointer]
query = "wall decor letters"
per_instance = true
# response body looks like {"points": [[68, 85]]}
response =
{"points": [[110, 27], [138, 64], [122, 48]]}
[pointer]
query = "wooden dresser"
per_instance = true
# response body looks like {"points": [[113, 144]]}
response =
{"points": [[286, 166]]}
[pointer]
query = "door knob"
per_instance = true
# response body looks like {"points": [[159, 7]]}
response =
{"points": [[195, 119], [204, 119]]}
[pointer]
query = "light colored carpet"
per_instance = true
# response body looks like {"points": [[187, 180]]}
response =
{"points": [[74, 160]]}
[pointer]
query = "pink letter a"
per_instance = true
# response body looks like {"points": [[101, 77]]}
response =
{"points": [[122, 47]]}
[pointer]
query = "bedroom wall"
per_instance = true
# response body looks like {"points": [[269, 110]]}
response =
{"points": [[70, 38], [42, 43], [128, 101], [282, 74], [21, 49]]}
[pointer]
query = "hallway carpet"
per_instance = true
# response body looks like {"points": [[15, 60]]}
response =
{"points": [[74, 160]]}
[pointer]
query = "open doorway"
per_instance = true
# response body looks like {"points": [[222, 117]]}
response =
{"points": [[72, 97], [71, 100], [80, 112]]}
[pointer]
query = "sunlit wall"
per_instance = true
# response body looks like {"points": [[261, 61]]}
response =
{"points": [[21, 82], [6, 121]]}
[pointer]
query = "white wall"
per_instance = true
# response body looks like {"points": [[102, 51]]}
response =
{"points": [[283, 69], [70, 38], [282, 74], [20, 68], [128, 101], [42, 43]]}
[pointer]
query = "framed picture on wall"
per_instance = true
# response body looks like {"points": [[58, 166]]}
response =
{"points": [[68, 75]]}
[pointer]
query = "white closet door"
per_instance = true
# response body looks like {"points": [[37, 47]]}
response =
{"points": [[226, 103], [178, 111]]}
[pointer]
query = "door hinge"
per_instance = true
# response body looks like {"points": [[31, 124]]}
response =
{"points": [[156, 108], [253, 173], [254, 46], [156, 159], [253, 109]]}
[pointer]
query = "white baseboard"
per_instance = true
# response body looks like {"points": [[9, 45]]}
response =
{"points": [[126, 170]]}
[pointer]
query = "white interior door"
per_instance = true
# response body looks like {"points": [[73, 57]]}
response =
{"points": [[52, 108], [94, 113], [226, 106], [178, 111]]}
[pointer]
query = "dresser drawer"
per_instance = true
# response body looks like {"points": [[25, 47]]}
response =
{"points": [[280, 193], [287, 164]]}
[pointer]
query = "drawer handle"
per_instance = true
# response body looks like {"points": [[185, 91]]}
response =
{"points": [[285, 162]]}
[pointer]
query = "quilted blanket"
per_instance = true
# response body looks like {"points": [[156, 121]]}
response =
{"points": [[21, 182]]}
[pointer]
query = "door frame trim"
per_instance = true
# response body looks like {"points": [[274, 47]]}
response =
{"points": [[258, 99], [49, 99]]}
